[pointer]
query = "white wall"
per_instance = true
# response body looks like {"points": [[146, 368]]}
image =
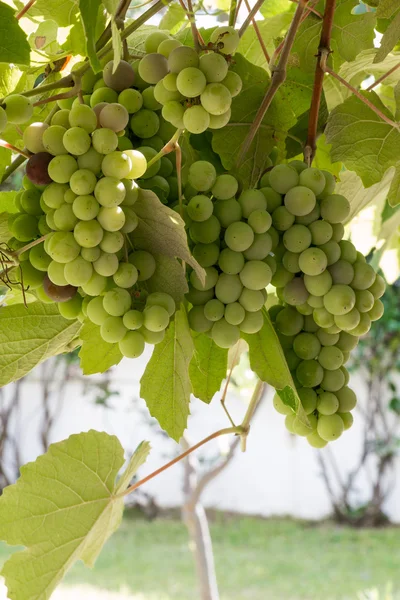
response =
{"points": [[278, 475]]}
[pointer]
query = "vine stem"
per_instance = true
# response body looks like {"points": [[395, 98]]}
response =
{"points": [[65, 82], [197, 39], [169, 147], [258, 33], [5, 144], [13, 167], [310, 9], [277, 79], [251, 16], [120, 13], [30, 245], [232, 13], [213, 436], [25, 9], [383, 77], [324, 50], [363, 99], [255, 399]]}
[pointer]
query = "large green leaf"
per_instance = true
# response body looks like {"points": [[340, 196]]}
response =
{"points": [[389, 39], [29, 335], [173, 19], [270, 29], [166, 385], [89, 13], [207, 368], [64, 13], [362, 140], [63, 508], [14, 47], [96, 355]]}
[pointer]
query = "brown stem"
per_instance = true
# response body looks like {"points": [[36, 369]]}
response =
{"points": [[120, 13], [72, 92], [25, 9], [383, 77], [213, 436], [258, 34], [5, 144], [324, 50], [251, 16], [65, 82], [363, 99], [277, 79], [311, 9]]}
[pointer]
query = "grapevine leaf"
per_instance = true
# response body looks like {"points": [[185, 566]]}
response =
{"points": [[394, 191], [389, 39], [165, 385], [89, 13], [169, 277], [397, 100], [137, 39], [116, 44], [268, 361], [14, 47], [275, 7], [5, 233], [29, 335], [7, 202], [111, 6], [64, 13], [138, 458], [173, 19], [9, 77], [323, 159], [162, 230], [270, 29], [207, 368], [96, 355], [63, 508], [386, 9], [361, 140], [363, 66], [351, 186]]}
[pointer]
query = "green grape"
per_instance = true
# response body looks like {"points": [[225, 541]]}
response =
{"points": [[149, 154], [347, 399], [91, 254], [112, 242], [167, 46], [321, 232], [169, 82], [173, 112], [30, 277], [260, 248], [332, 251], [144, 262], [281, 277], [196, 119], [228, 288], [315, 440], [61, 168], [145, 123], [304, 309], [231, 262], [116, 164], [153, 67], [328, 403], [239, 236], [44, 229], [306, 346], [335, 208], [308, 398], [55, 273], [310, 326], [200, 208], [104, 141], [333, 329], [191, 82], [327, 339], [61, 118], [224, 334], [162, 299], [18, 109], [315, 301], [24, 227], [181, 58], [289, 321], [139, 164], [113, 330], [290, 261], [347, 251], [71, 309], [65, 103], [152, 337], [323, 318], [312, 261], [289, 423], [197, 297], [361, 258], [251, 200], [330, 358], [330, 184], [216, 99], [88, 234], [132, 345], [377, 310], [126, 276], [364, 276], [53, 140], [117, 302], [347, 419], [78, 271], [53, 195], [109, 192], [149, 101], [207, 231], [114, 116], [84, 117], [295, 293], [131, 100], [64, 218], [95, 311], [280, 407], [198, 321], [133, 319], [377, 289], [349, 320], [83, 182], [91, 161], [219, 121], [30, 202], [206, 254], [226, 39], [341, 272], [340, 299], [283, 178], [255, 275], [76, 141], [234, 313], [302, 429], [333, 380], [214, 66], [110, 219], [153, 40], [227, 211], [282, 219], [311, 217], [225, 187], [273, 198], [313, 179], [330, 427], [363, 327], [309, 373], [252, 300], [300, 201], [39, 258], [106, 265], [162, 95], [252, 323], [214, 310], [297, 238], [211, 278], [202, 175], [337, 232], [260, 221], [86, 207], [166, 168], [62, 247], [131, 192], [33, 137], [3, 119]]}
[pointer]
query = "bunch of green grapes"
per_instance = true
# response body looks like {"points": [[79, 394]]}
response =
{"points": [[195, 91], [79, 193], [329, 295], [229, 231]]}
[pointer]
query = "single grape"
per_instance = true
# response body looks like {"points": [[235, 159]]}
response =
{"points": [[323, 318], [202, 175], [216, 99], [196, 119], [145, 123], [305, 429], [95, 311], [255, 275], [300, 201], [330, 358], [86, 207], [342, 272], [327, 339], [109, 192], [228, 288], [131, 100], [133, 319], [295, 293], [55, 273], [144, 263], [364, 276], [340, 299], [239, 236], [104, 141], [321, 232], [64, 218], [260, 248], [333, 380], [161, 96], [91, 254], [312, 216], [153, 67], [214, 310], [152, 337], [173, 112], [281, 277], [252, 323], [314, 179], [308, 398], [62, 247], [224, 334], [167, 46], [207, 231], [251, 200], [335, 208], [231, 262], [117, 302], [260, 221], [211, 278], [191, 82], [252, 300], [200, 208], [62, 167], [282, 219], [207, 254], [132, 345], [219, 121], [33, 137], [347, 419], [330, 427], [290, 261], [18, 109], [181, 58], [306, 346], [106, 265], [83, 182], [337, 232], [348, 321], [227, 211], [283, 178], [88, 234], [116, 164], [363, 326], [297, 238], [71, 308], [316, 441], [377, 289], [309, 373], [280, 407], [113, 330], [332, 251], [347, 399], [376, 312], [289, 321], [226, 38], [198, 321], [37, 168], [111, 219], [234, 313], [78, 271], [313, 261], [120, 78]]}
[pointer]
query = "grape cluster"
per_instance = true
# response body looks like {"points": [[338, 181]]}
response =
{"points": [[195, 91], [229, 232], [79, 192], [329, 296]]}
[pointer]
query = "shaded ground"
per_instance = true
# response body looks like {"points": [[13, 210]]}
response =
{"points": [[256, 560]]}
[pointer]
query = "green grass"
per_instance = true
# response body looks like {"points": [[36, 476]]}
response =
{"points": [[256, 560]]}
